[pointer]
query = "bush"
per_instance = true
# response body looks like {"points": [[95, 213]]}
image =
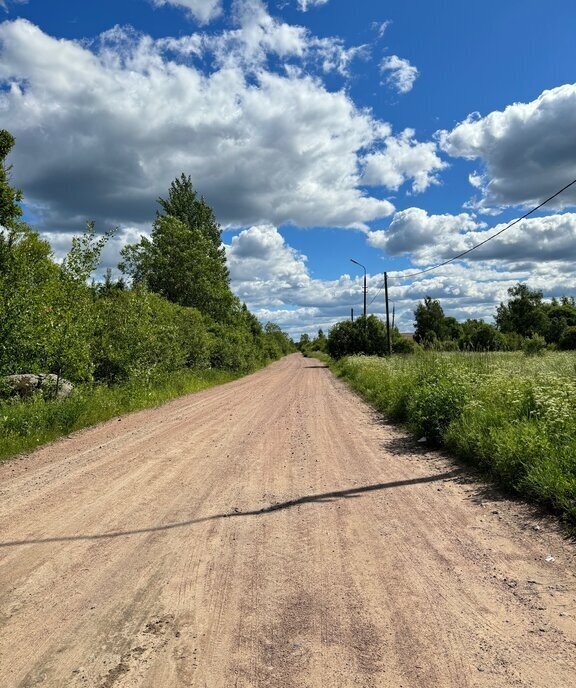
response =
{"points": [[139, 333], [534, 345], [568, 339], [434, 405]]}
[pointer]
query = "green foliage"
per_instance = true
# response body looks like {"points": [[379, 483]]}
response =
{"points": [[568, 338], [29, 279], [10, 197], [513, 416], [363, 336], [402, 344], [139, 334], [477, 335], [534, 345], [524, 313], [304, 343], [26, 425], [432, 325], [179, 263], [179, 311], [184, 205], [435, 403], [184, 260]]}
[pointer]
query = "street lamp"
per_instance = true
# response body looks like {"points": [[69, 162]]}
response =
{"points": [[360, 264]]}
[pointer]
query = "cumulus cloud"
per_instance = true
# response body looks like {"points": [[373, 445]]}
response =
{"points": [[429, 239], [400, 73], [540, 250], [402, 158], [103, 129], [260, 253], [413, 231], [528, 150], [273, 279], [203, 11]]}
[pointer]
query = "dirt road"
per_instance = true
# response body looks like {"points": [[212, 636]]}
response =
{"points": [[272, 532]]}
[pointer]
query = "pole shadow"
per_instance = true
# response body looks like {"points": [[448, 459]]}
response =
{"points": [[322, 498]]}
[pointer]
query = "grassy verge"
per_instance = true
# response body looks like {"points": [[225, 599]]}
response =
{"points": [[27, 425], [513, 416]]}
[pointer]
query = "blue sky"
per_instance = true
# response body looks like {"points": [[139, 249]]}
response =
{"points": [[396, 133]]}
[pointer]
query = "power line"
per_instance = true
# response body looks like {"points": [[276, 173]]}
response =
{"points": [[473, 248]]}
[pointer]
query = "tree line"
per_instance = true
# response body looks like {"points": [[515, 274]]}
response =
{"points": [[526, 322], [172, 308]]}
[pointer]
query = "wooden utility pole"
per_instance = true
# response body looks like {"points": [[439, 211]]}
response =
{"points": [[388, 338]]}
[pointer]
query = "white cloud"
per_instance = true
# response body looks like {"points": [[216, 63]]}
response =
{"points": [[429, 239], [273, 279], [528, 150], [101, 131], [539, 250], [5, 4], [381, 27], [261, 253], [304, 5], [403, 158], [259, 35], [400, 74], [204, 11], [413, 231]]}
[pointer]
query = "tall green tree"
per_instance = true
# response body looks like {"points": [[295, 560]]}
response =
{"points": [[184, 260], [178, 263], [430, 321], [524, 313], [183, 204]]}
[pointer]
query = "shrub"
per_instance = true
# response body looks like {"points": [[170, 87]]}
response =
{"points": [[435, 404], [568, 339], [534, 345]]}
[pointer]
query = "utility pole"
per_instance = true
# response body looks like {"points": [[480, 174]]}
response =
{"points": [[388, 339], [352, 314], [363, 268]]}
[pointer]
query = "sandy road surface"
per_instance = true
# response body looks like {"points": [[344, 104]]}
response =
{"points": [[272, 532]]}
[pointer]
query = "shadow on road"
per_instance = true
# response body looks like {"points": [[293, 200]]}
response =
{"points": [[324, 497], [325, 367]]}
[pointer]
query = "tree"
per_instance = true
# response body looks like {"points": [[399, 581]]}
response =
{"points": [[10, 197], [524, 313], [342, 339], [477, 335], [28, 281], [561, 314], [568, 338], [430, 321], [320, 342], [363, 336], [179, 263], [184, 259], [183, 204], [304, 343]]}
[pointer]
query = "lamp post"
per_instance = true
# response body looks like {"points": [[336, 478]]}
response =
{"points": [[363, 268]]}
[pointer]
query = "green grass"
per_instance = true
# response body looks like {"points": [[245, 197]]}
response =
{"points": [[511, 415], [26, 425]]}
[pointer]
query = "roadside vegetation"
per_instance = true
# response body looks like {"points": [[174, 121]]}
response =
{"points": [[168, 325], [501, 396], [511, 415]]}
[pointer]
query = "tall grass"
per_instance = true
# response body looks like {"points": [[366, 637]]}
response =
{"points": [[512, 415], [25, 425]]}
